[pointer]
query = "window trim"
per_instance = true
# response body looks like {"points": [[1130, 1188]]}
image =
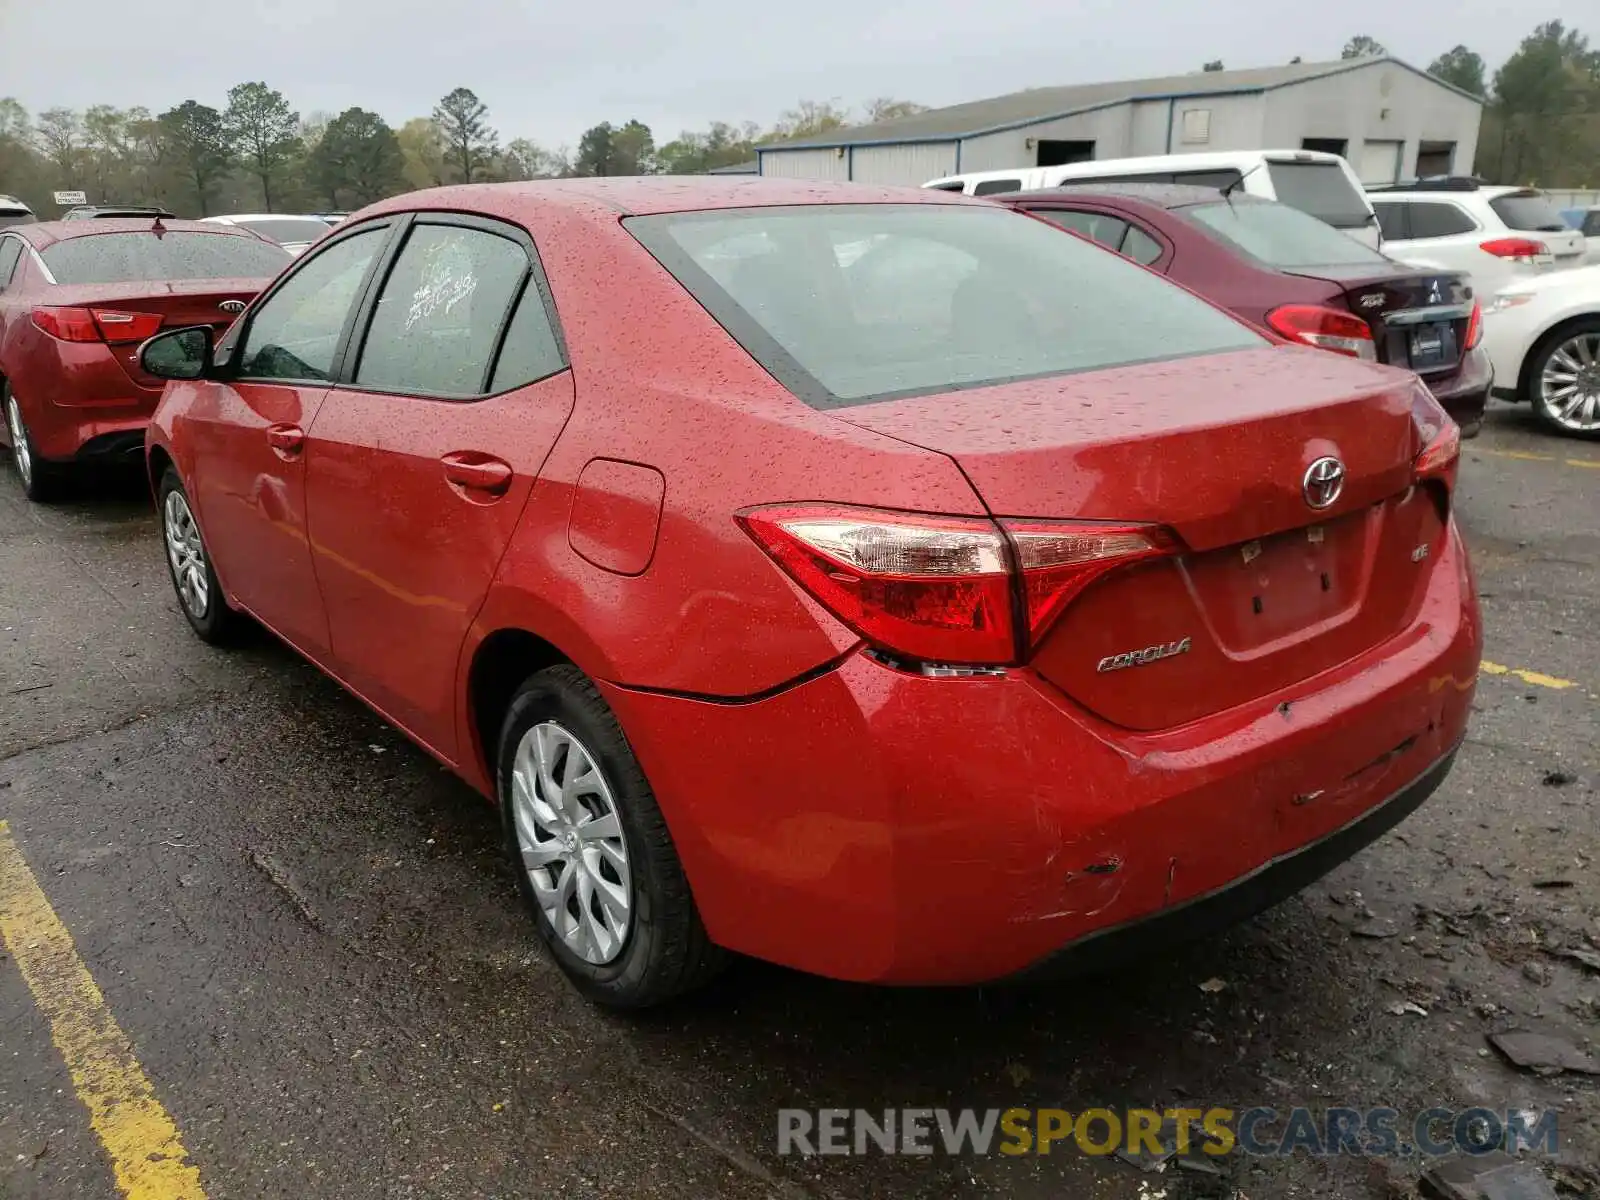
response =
{"points": [[1128, 220], [228, 351], [532, 276], [5, 283]]}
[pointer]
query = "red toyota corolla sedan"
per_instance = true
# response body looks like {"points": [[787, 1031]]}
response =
{"points": [[76, 300], [873, 581]]}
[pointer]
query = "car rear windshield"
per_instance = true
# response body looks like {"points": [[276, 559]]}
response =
{"points": [[1281, 236], [1528, 211], [845, 304], [13, 217], [137, 257], [289, 229], [1321, 189]]}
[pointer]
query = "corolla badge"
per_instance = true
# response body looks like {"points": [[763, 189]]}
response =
{"points": [[1140, 658], [1324, 480], [231, 306]]}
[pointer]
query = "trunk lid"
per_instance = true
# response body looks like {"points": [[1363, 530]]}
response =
{"points": [[1266, 591], [179, 303], [1419, 318]]}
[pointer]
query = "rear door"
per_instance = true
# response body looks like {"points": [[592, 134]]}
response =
{"points": [[420, 461]]}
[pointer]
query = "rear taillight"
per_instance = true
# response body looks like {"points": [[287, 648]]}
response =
{"points": [[1523, 250], [97, 325], [945, 589], [1325, 328], [1439, 437], [1475, 326]]}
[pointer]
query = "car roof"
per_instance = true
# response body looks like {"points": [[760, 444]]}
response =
{"points": [[239, 218], [47, 233], [1157, 195], [646, 194]]}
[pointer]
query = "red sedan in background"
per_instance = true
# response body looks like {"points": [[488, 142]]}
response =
{"points": [[76, 300], [874, 581], [1289, 272]]}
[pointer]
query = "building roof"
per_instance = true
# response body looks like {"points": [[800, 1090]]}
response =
{"points": [[753, 167], [1048, 103]]}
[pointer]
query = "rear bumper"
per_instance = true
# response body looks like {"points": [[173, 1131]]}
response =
{"points": [[80, 403], [1465, 394], [874, 825]]}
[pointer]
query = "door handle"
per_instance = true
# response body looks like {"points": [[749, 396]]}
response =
{"points": [[286, 440], [477, 472]]}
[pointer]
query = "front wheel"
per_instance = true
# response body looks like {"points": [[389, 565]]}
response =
{"points": [[1563, 379], [193, 578], [593, 857]]}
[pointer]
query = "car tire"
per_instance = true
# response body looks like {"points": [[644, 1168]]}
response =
{"points": [[194, 579], [659, 949], [41, 481], [1567, 339]]}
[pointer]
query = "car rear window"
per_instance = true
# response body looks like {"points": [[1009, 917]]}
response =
{"points": [[944, 298], [137, 257], [16, 218], [1528, 212], [1280, 236], [1321, 189], [289, 230]]}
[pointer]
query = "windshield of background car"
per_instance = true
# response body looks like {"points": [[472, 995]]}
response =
{"points": [[1321, 189], [144, 256], [1528, 212], [287, 230], [16, 218], [1281, 236], [845, 304]]}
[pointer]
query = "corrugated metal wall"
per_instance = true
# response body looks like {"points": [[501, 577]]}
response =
{"points": [[910, 164], [804, 164]]}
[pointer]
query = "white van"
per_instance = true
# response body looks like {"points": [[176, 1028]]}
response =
{"points": [[1310, 180]]}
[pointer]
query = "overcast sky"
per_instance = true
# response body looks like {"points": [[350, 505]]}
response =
{"points": [[549, 70]]}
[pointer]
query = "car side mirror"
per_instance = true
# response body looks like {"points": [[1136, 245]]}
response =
{"points": [[178, 353]]}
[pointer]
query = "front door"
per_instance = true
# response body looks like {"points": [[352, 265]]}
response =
{"points": [[420, 462], [249, 434]]}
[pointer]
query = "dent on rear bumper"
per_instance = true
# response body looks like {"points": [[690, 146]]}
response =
{"points": [[873, 825]]}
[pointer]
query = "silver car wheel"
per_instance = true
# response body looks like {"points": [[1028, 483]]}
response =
{"points": [[1569, 385], [570, 838], [19, 441], [187, 555]]}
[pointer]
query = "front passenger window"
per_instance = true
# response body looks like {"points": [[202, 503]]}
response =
{"points": [[295, 333]]}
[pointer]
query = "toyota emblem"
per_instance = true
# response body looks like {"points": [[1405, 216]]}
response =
{"points": [[1324, 480], [231, 306]]}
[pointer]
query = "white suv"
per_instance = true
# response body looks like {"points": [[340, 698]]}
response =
{"points": [[1496, 234], [15, 212]]}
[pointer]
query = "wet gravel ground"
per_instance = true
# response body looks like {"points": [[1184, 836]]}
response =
{"points": [[308, 933]]}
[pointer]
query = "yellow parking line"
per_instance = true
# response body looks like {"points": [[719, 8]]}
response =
{"points": [[146, 1154], [1533, 677], [1592, 464], [1529, 456]]}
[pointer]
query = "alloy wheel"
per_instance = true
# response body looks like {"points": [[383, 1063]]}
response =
{"points": [[187, 555], [19, 442], [1569, 385], [569, 836]]}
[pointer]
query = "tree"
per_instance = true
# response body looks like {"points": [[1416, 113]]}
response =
{"points": [[883, 108], [356, 160], [1214, 65], [808, 119], [1544, 98], [1362, 46], [721, 145], [197, 141], [633, 150], [523, 159], [422, 151], [1462, 67], [594, 150], [59, 132], [263, 132], [470, 143]]}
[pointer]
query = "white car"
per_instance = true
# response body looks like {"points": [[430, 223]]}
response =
{"points": [[1315, 182], [294, 233], [15, 212], [1587, 222], [1543, 336], [1495, 234]]}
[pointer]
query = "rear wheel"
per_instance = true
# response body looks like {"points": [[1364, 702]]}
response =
{"points": [[41, 480], [193, 578], [593, 857], [1563, 379]]}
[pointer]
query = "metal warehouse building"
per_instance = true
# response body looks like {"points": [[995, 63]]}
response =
{"points": [[1389, 119]]}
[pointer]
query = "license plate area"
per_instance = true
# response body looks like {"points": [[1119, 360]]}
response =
{"points": [[1432, 346]]}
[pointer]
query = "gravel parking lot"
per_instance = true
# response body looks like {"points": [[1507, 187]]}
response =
{"points": [[305, 928]]}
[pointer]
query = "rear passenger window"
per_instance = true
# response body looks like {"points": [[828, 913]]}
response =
{"points": [[1435, 220], [1140, 246], [531, 351], [1104, 229], [10, 252], [989, 187], [1215, 179], [441, 311], [1392, 221]]}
